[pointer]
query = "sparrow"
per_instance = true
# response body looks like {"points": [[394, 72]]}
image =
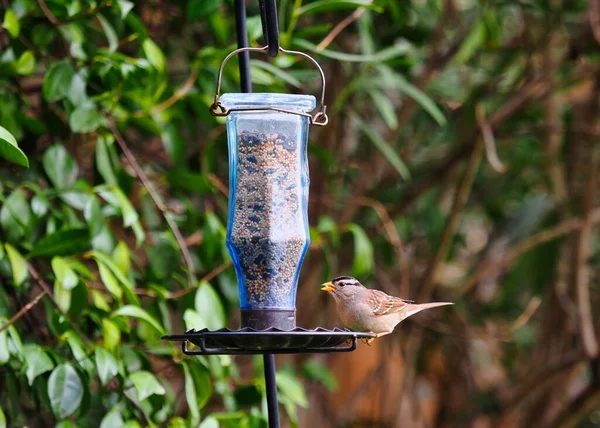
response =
{"points": [[364, 309]]}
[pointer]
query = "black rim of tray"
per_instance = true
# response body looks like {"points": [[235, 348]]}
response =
{"points": [[248, 341]]}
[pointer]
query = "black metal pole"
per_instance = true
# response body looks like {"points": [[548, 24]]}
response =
{"points": [[242, 41], [271, 384], [246, 86]]}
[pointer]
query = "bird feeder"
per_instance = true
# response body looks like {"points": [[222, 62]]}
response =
{"points": [[267, 230], [267, 233]]}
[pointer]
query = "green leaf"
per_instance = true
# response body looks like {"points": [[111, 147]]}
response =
{"points": [[79, 351], [37, 360], [199, 8], [190, 396], [77, 90], [385, 107], [381, 56], [292, 388], [2, 419], [112, 419], [209, 422], [104, 259], [64, 273], [111, 35], [327, 5], [65, 391], [4, 354], [109, 280], [18, 265], [86, 118], [189, 181], [25, 64], [62, 243], [472, 42], [111, 335], [60, 167], [122, 257], [278, 72], [9, 149], [146, 384], [130, 215], [15, 215], [107, 365], [104, 161], [421, 98], [363, 251], [125, 7], [11, 23], [154, 55], [389, 153], [62, 296], [193, 320], [137, 312], [57, 81], [209, 306]]}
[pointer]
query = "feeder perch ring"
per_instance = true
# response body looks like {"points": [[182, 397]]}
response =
{"points": [[248, 341], [320, 118]]}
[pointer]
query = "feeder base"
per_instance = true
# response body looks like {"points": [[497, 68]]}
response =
{"points": [[248, 341], [262, 319]]}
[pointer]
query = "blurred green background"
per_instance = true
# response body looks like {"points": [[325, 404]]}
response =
{"points": [[460, 163]]}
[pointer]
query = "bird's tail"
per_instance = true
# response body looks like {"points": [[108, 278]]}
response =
{"points": [[414, 308]]}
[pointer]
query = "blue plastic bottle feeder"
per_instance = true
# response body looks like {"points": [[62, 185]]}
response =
{"points": [[267, 232]]}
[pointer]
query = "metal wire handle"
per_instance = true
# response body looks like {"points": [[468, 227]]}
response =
{"points": [[320, 118]]}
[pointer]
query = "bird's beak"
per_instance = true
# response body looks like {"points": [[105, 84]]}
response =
{"points": [[328, 286]]}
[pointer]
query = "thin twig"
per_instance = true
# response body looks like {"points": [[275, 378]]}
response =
{"points": [[340, 27], [582, 253], [458, 205], [179, 94], [47, 12], [157, 201], [488, 138], [36, 277], [206, 278], [218, 184], [581, 405], [393, 237], [29, 306], [594, 16], [568, 226]]}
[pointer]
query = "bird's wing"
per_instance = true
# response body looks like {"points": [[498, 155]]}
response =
{"points": [[382, 303]]}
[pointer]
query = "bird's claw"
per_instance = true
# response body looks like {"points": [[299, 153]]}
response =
{"points": [[368, 340]]}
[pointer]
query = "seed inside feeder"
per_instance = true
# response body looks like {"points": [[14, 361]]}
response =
{"points": [[269, 233]]}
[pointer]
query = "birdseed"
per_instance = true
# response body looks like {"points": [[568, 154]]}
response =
{"points": [[268, 232]]}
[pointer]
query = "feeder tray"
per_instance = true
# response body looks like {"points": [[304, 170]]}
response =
{"points": [[249, 341]]}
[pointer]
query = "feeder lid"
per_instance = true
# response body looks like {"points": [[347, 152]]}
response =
{"points": [[291, 102]]}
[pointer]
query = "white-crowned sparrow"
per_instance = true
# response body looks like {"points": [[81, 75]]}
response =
{"points": [[363, 309]]}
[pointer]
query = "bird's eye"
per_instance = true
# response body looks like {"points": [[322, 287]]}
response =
{"points": [[342, 284]]}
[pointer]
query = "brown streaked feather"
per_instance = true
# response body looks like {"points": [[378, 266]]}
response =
{"points": [[382, 303]]}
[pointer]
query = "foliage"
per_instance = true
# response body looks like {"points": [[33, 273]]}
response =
{"points": [[458, 157]]}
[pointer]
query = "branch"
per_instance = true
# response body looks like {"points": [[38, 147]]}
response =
{"points": [[206, 278], [568, 226], [181, 92], [583, 403], [157, 201], [340, 27], [29, 306], [488, 138]]}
